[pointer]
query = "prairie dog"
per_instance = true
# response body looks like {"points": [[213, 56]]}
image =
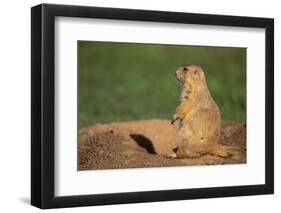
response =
{"points": [[198, 115]]}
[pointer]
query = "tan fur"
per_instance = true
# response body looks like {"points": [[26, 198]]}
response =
{"points": [[198, 115]]}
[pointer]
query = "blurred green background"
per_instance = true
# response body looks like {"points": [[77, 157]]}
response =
{"points": [[122, 82]]}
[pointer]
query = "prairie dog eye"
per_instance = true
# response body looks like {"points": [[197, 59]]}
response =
{"points": [[184, 69]]}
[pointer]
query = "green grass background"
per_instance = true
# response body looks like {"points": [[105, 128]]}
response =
{"points": [[122, 82]]}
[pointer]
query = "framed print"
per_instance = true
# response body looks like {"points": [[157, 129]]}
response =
{"points": [[139, 106]]}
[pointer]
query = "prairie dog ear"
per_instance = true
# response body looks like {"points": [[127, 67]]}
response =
{"points": [[195, 71]]}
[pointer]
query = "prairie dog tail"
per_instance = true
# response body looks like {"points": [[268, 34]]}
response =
{"points": [[220, 151]]}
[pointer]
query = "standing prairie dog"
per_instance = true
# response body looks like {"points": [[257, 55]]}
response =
{"points": [[198, 115]]}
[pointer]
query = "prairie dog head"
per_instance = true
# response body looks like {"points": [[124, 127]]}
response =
{"points": [[191, 75]]}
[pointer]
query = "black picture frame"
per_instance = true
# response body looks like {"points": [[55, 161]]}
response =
{"points": [[43, 117]]}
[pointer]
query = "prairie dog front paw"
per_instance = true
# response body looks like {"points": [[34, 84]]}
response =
{"points": [[175, 118], [171, 155]]}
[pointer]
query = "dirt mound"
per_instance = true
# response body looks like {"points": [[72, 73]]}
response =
{"points": [[138, 144]]}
